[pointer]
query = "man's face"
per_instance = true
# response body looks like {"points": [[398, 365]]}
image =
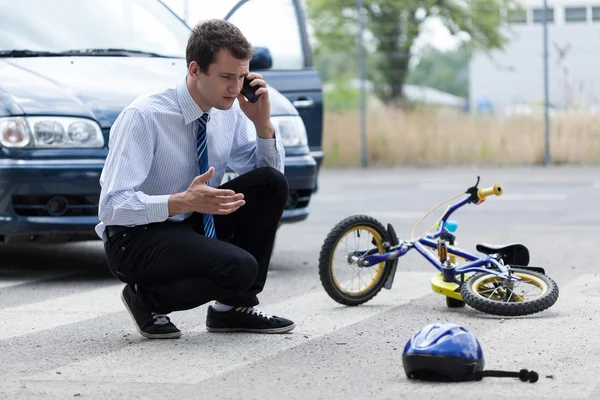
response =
{"points": [[220, 86]]}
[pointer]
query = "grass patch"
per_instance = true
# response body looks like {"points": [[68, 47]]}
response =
{"points": [[425, 137]]}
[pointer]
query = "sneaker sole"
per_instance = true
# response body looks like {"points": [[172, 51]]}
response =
{"points": [[285, 329], [173, 335]]}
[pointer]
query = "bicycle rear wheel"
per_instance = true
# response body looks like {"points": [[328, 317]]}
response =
{"points": [[342, 245], [492, 294]]}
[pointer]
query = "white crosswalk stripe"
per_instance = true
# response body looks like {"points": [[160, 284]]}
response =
{"points": [[66, 339], [200, 355], [10, 281], [49, 314]]}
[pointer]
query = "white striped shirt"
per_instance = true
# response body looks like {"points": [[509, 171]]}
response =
{"points": [[152, 155]]}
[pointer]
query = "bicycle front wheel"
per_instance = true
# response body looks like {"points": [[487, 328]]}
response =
{"points": [[342, 276]]}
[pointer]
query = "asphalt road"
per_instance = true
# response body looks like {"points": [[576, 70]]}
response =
{"points": [[64, 332]]}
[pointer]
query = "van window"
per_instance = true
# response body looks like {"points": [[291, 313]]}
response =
{"points": [[266, 23], [40, 25], [272, 24], [194, 11]]}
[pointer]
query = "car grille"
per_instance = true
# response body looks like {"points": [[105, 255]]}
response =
{"points": [[56, 205], [298, 199], [73, 205]]}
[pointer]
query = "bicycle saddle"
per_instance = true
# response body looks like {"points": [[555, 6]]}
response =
{"points": [[513, 254]]}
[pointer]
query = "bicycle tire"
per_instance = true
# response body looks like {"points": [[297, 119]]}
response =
{"points": [[480, 303], [338, 232]]}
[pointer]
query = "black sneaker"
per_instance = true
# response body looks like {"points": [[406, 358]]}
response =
{"points": [[148, 324], [246, 319]]}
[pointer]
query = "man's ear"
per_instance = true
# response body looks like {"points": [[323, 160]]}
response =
{"points": [[194, 70]]}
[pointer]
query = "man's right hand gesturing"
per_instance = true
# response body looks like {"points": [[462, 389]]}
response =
{"points": [[201, 198]]}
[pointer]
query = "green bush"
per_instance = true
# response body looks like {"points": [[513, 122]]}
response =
{"points": [[341, 98]]}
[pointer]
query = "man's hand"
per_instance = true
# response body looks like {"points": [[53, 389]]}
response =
{"points": [[260, 112], [201, 198]]}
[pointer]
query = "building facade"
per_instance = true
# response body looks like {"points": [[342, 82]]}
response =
{"points": [[512, 80]]}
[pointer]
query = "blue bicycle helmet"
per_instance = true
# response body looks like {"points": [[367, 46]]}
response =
{"points": [[443, 352]]}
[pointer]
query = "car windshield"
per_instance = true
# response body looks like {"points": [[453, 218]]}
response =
{"points": [[139, 26]]}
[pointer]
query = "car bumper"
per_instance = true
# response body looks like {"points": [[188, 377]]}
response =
{"points": [[49, 200], [301, 173], [57, 200], [318, 155]]}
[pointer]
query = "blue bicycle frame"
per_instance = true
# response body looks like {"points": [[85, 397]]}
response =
{"points": [[475, 264]]}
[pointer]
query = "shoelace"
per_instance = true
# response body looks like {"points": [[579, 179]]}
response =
{"points": [[254, 311], [160, 319]]}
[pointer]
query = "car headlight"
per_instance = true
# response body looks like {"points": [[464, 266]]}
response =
{"points": [[291, 130], [50, 132]]}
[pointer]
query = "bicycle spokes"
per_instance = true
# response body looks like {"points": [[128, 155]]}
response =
{"points": [[495, 288], [347, 272]]}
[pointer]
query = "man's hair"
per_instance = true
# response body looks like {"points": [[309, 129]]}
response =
{"points": [[210, 36]]}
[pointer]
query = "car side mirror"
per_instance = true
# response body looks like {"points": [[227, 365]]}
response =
{"points": [[261, 59]]}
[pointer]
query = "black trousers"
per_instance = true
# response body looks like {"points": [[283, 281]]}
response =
{"points": [[177, 268]]}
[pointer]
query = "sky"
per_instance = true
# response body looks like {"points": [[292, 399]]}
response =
{"points": [[435, 33]]}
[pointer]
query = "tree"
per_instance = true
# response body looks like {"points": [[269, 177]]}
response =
{"points": [[392, 26], [442, 70]]}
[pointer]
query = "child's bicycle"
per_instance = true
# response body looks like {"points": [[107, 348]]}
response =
{"points": [[501, 282]]}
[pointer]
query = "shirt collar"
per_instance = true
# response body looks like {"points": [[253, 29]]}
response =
{"points": [[189, 108]]}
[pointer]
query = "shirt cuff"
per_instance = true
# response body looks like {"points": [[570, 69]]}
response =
{"points": [[158, 208], [267, 146]]}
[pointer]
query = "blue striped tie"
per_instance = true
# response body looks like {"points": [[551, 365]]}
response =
{"points": [[209, 224]]}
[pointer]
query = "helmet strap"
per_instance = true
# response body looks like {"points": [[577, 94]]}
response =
{"points": [[524, 375]]}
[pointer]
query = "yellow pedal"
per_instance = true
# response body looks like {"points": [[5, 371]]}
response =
{"points": [[446, 288]]}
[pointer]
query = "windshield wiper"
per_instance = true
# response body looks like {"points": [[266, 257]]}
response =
{"points": [[29, 53], [110, 52], [79, 52]]}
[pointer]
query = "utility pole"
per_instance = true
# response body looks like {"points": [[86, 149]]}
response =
{"points": [[362, 78], [546, 95]]}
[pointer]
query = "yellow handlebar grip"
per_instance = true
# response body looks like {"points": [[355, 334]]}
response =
{"points": [[483, 193]]}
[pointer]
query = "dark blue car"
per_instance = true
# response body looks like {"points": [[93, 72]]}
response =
{"points": [[68, 68]]}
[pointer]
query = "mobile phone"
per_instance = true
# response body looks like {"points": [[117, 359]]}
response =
{"points": [[250, 91]]}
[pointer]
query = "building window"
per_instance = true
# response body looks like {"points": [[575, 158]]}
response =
{"points": [[596, 14], [575, 14], [517, 16], [538, 15]]}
